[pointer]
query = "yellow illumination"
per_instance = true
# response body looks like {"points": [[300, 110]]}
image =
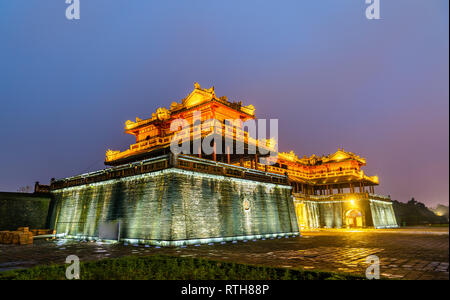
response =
{"points": [[340, 157]]}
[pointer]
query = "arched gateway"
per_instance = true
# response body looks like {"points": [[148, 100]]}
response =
{"points": [[353, 218]]}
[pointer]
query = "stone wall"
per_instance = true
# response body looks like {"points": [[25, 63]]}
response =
{"points": [[177, 207], [383, 215], [24, 210]]}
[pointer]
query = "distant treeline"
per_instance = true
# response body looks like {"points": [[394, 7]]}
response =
{"points": [[415, 213]]}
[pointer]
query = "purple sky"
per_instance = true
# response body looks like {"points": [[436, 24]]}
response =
{"points": [[333, 78]]}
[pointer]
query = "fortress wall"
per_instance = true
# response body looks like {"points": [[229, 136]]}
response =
{"points": [[176, 205], [383, 215], [330, 215], [24, 210]]}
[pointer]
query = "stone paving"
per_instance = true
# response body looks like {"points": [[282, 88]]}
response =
{"points": [[404, 254]]}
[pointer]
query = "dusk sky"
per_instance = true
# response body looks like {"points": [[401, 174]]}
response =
{"points": [[378, 88]]}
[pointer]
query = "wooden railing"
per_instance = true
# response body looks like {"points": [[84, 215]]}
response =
{"points": [[216, 168], [208, 128], [147, 144], [379, 197], [167, 161], [314, 175], [342, 197], [147, 166], [306, 175]]}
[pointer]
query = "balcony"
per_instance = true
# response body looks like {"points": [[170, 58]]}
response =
{"points": [[208, 128], [138, 147], [342, 197]]}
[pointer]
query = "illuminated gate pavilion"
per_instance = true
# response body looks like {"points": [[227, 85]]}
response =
{"points": [[157, 197], [333, 191]]}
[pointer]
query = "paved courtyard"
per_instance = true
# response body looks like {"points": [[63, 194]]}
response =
{"points": [[404, 253]]}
